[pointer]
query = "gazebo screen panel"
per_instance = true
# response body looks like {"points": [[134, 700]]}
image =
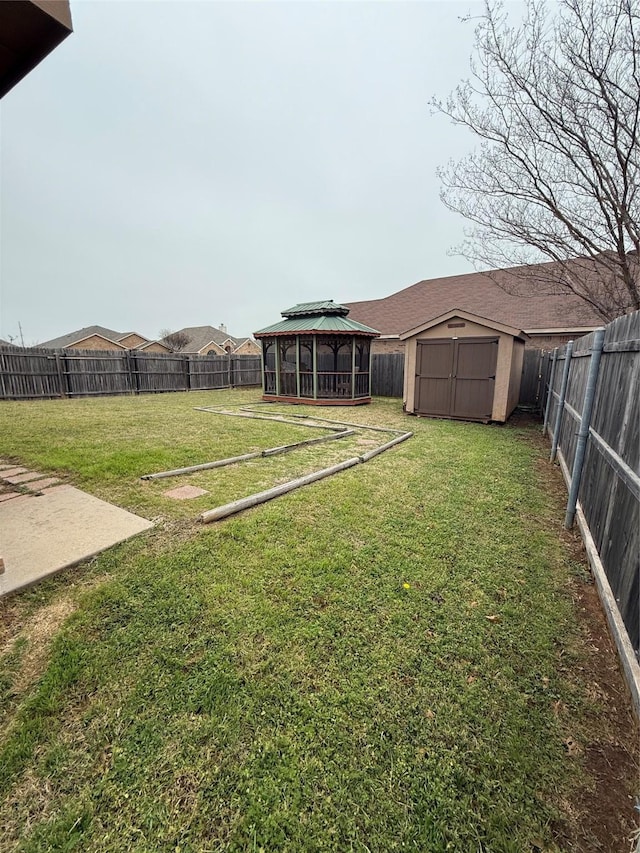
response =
{"points": [[362, 368], [306, 367], [288, 367], [334, 366], [269, 362]]}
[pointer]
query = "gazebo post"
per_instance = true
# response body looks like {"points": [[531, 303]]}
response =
{"points": [[297, 365], [315, 367], [353, 368], [277, 344]]}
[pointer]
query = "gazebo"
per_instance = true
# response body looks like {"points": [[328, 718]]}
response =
{"points": [[317, 355]]}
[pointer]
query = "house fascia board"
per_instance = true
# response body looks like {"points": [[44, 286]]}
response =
{"points": [[151, 343], [211, 345], [562, 330], [94, 335], [463, 315]]}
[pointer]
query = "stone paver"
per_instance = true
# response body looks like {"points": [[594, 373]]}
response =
{"points": [[15, 479], [10, 472], [183, 493], [7, 496], [41, 484]]}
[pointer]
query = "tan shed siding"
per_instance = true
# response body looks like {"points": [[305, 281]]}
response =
{"points": [[408, 397], [503, 373], [95, 342]]}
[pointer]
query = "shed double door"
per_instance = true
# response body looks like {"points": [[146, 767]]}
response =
{"points": [[455, 378]]}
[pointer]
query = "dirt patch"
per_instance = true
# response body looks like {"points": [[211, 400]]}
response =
{"points": [[39, 631], [599, 815]]}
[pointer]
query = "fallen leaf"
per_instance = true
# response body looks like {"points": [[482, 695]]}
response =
{"points": [[572, 746], [492, 618]]}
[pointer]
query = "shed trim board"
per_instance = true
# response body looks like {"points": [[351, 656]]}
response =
{"points": [[450, 372], [457, 314]]}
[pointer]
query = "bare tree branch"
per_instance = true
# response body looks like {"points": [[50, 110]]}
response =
{"points": [[175, 340], [555, 105]]}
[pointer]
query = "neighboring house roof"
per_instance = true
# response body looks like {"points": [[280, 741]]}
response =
{"points": [[323, 317], [155, 344], [246, 341], [141, 338], [211, 346], [477, 293], [201, 336], [119, 338], [79, 335]]}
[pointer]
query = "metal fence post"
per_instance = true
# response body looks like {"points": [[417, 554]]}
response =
{"points": [[552, 376], [585, 422], [563, 394]]}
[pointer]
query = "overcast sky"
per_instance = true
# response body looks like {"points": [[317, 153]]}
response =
{"points": [[185, 163]]}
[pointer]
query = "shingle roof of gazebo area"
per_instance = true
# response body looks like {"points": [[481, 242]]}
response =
{"points": [[322, 317]]}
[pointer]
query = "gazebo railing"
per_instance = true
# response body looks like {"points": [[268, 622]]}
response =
{"points": [[331, 385]]}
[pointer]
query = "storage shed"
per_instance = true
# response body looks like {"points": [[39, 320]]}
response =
{"points": [[460, 365], [317, 355]]}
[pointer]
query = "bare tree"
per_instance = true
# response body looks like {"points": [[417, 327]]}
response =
{"points": [[176, 340], [555, 104]]}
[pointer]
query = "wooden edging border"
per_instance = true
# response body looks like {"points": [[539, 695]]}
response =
{"points": [[628, 661]]}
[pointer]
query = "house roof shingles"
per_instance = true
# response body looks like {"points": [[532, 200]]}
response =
{"points": [[477, 293], [200, 336], [79, 335]]}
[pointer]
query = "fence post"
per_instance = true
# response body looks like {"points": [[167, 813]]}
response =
{"points": [[187, 372], [563, 394], [229, 371], [60, 374], [585, 422], [67, 385], [552, 376]]}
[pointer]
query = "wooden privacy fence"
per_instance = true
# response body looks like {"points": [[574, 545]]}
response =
{"points": [[592, 414], [27, 374], [387, 374]]}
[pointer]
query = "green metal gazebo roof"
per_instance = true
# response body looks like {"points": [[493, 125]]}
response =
{"points": [[322, 317], [304, 309]]}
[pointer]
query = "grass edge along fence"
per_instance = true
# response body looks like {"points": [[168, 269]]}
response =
{"points": [[36, 373], [592, 415]]}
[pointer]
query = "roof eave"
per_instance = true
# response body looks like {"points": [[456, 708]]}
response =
{"points": [[265, 333]]}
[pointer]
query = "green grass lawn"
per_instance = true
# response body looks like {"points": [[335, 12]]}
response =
{"points": [[371, 663]]}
